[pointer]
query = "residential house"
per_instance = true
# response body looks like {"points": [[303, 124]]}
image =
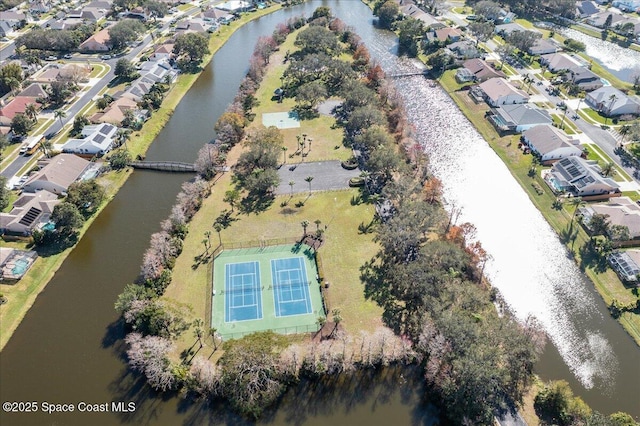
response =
{"points": [[157, 71], [631, 27], [612, 102], [506, 29], [550, 144], [163, 52], [195, 25], [498, 91], [428, 20], [30, 211], [464, 49], [626, 264], [138, 13], [99, 42], [39, 6], [477, 70], [15, 19], [599, 19], [215, 15], [518, 118], [557, 62], [581, 178], [543, 46], [60, 172], [47, 75], [234, 6], [115, 113], [584, 78], [5, 29], [506, 17], [64, 24], [17, 105], [620, 211], [136, 91], [97, 140], [34, 90], [75, 73], [91, 14], [586, 9], [448, 35], [626, 5]]}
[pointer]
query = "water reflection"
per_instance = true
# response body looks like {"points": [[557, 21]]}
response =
{"points": [[621, 62]]}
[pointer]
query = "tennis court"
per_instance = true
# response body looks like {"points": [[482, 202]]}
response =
{"points": [[242, 291], [266, 288], [291, 287]]}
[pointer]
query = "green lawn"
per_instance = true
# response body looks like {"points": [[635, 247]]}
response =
{"points": [[619, 172], [568, 129], [607, 283]]}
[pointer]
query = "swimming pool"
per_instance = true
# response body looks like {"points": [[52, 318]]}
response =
{"points": [[20, 267]]}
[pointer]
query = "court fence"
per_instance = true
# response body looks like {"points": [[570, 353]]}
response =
{"points": [[261, 243], [299, 329]]}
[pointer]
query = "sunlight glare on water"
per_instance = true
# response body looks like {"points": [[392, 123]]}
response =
{"points": [[529, 265]]}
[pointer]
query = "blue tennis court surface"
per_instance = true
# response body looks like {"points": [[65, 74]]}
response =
{"points": [[291, 287], [242, 291]]}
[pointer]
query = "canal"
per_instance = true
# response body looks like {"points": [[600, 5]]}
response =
{"points": [[69, 347]]}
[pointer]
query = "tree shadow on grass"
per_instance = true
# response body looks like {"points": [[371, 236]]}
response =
{"points": [[591, 257], [256, 203]]}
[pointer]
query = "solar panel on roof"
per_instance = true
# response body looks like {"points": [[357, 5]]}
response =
{"points": [[30, 216], [573, 171], [99, 138]]}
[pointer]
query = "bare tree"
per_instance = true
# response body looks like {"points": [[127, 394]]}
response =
{"points": [[149, 355]]}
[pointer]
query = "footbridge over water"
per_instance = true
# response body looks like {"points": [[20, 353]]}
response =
{"points": [[409, 74], [164, 166]]}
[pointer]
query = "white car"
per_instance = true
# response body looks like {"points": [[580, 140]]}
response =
{"points": [[105, 57]]}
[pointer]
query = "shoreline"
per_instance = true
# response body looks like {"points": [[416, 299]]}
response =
{"points": [[600, 287], [23, 294]]}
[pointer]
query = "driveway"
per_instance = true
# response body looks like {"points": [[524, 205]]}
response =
{"points": [[327, 176]]}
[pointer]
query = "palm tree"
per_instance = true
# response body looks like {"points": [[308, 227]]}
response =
{"points": [[218, 228], [122, 136], [291, 184], [284, 154], [305, 224], [576, 202], [337, 319], [46, 146], [198, 332], [32, 112], [608, 169], [59, 114], [317, 222], [613, 98], [624, 131], [308, 179], [213, 332]]}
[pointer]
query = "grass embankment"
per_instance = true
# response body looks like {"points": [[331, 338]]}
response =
{"points": [[607, 283], [22, 295], [344, 250]]}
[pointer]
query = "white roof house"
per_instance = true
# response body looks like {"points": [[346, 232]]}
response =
{"points": [[543, 46], [611, 102], [626, 264], [519, 117], [98, 140], [61, 171], [550, 143], [234, 6], [498, 91], [559, 61], [580, 177]]}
